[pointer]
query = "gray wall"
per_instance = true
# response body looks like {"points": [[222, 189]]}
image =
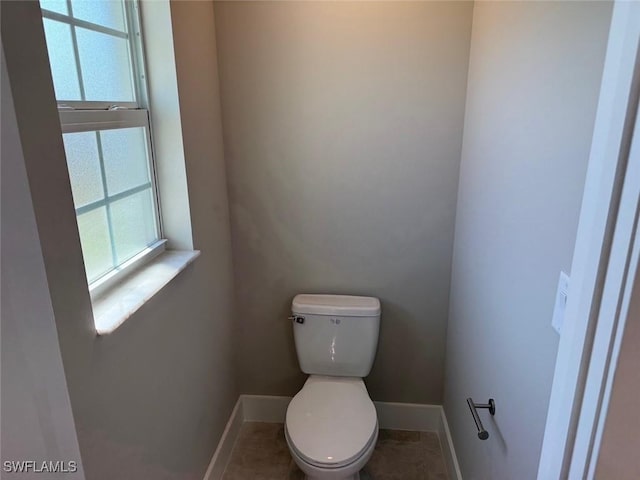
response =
{"points": [[343, 130], [533, 86], [618, 457], [37, 422], [150, 400]]}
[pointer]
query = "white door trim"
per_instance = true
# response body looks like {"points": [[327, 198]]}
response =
{"points": [[612, 318], [570, 421]]}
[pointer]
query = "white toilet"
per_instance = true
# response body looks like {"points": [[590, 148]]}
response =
{"points": [[331, 426]]}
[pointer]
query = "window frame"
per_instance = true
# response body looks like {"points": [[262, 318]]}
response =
{"points": [[136, 55], [95, 116]]}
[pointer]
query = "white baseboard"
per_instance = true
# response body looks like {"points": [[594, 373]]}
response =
{"points": [[408, 416], [225, 445], [449, 452], [395, 416]]}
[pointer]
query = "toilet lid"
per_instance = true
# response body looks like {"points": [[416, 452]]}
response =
{"points": [[331, 421]]}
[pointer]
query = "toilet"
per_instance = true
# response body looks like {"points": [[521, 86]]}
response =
{"points": [[331, 424]]}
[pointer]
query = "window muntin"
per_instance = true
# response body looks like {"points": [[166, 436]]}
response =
{"points": [[95, 55]]}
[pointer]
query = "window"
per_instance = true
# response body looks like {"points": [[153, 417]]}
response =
{"points": [[95, 53]]}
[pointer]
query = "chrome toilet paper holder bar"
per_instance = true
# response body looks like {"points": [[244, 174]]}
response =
{"points": [[491, 406]]}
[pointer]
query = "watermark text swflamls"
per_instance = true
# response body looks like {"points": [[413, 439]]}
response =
{"points": [[33, 466]]}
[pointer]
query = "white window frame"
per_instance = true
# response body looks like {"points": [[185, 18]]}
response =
{"points": [[136, 54], [87, 116]]}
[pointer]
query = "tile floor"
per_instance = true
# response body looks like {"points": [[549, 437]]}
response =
{"points": [[261, 453]]}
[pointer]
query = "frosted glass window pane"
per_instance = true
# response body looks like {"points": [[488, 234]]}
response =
{"points": [[84, 167], [134, 226], [59, 6], [62, 60], [105, 66], [109, 13], [125, 158], [96, 247]]}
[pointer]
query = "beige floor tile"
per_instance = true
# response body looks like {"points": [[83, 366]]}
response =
{"points": [[434, 458], [294, 472], [262, 435], [398, 456], [261, 453], [401, 436]]}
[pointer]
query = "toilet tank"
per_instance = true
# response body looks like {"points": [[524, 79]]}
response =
{"points": [[336, 334]]}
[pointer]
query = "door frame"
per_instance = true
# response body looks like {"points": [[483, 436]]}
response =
{"points": [[603, 267]]}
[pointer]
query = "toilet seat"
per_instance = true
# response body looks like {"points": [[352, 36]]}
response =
{"points": [[331, 422]]}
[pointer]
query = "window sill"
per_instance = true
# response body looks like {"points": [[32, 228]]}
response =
{"points": [[114, 306]]}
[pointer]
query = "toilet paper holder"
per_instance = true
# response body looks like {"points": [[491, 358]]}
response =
{"points": [[490, 405]]}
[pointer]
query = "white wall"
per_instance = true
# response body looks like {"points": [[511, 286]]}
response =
{"points": [[150, 400], [37, 423], [534, 77], [618, 458], [343, 130]]}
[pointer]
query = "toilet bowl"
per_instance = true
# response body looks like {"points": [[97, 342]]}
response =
{"points": [[331, 428], [331, 424]]}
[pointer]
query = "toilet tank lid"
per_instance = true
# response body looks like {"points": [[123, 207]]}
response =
{"points": [[342, 305]]}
